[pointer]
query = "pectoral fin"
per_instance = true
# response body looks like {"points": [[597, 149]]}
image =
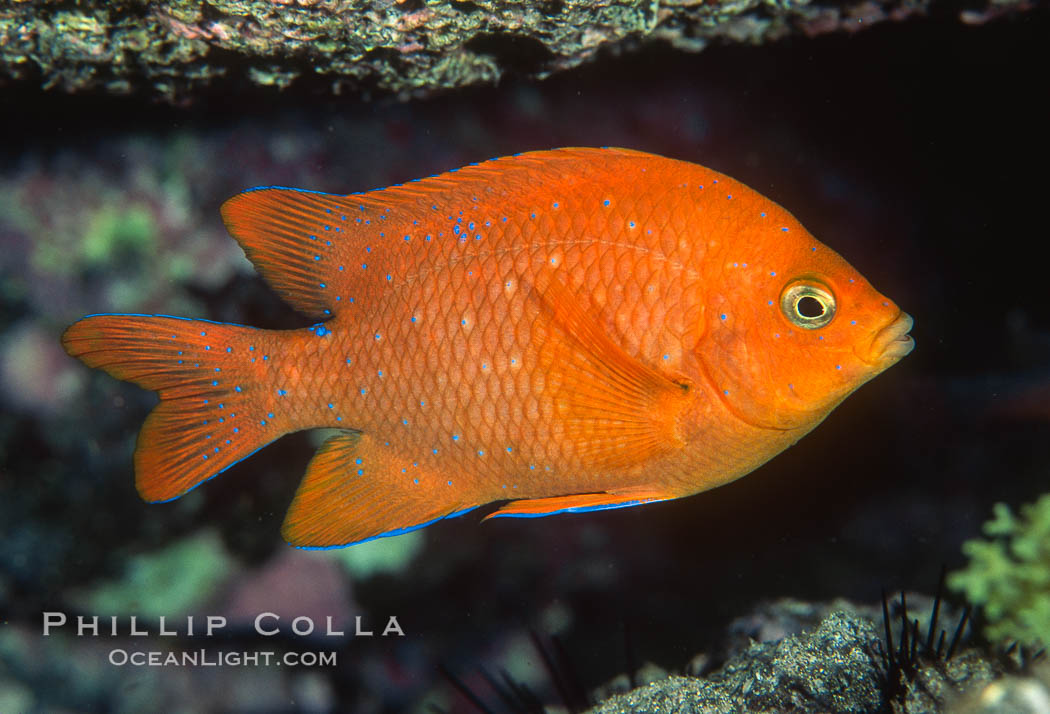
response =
{"points": [[617, 410]]}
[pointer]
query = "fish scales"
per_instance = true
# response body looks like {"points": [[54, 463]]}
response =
{"points": [[567, 330], [469, 298]]}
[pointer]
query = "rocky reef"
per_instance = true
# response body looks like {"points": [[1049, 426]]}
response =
{"points": [[176, 49]]}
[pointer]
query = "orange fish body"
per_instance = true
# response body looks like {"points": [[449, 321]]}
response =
{"points": [[565, 330]]}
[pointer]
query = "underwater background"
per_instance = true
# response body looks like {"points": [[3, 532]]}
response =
{"points": [[916, 149]]}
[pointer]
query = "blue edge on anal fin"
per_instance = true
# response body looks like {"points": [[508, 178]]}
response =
{"points": [[577, 509], [395, 532], [409, 529]]}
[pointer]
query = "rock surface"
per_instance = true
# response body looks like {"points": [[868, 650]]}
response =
{"points": [[834, 669], [176, 49]]}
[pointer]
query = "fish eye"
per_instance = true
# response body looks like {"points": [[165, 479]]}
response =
{"points": [[807, 304]]}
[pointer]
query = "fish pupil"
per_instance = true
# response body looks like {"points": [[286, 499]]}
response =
{"points": [[809, 307]]}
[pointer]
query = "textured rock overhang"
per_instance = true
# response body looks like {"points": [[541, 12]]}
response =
{"points": [[174, 49]]}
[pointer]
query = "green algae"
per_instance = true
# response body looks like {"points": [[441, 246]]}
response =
{"points": [[172, 581], [382, 555], [118, 232], [1008, 575]]}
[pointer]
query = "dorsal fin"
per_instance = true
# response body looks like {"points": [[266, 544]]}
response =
{"points": [[288, 235], [300, 241], [542, 167]]}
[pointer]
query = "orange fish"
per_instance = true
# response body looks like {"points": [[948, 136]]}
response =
{"points": [[565, 330]]}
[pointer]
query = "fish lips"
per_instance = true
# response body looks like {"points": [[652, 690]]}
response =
{"points": [[891, 342]]}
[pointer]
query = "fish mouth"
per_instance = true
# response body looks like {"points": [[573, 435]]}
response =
{"points": [[891, 342]]}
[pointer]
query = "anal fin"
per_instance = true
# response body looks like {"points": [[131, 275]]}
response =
{"points": [[356, 489], [576, 503]]}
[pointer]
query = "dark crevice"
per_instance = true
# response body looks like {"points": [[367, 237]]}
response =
{"points": [[112, 13], [516, 54], [552, 8], [464, 6]]}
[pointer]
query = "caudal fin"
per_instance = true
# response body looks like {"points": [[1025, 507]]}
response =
{"points": [[215, 408]]}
